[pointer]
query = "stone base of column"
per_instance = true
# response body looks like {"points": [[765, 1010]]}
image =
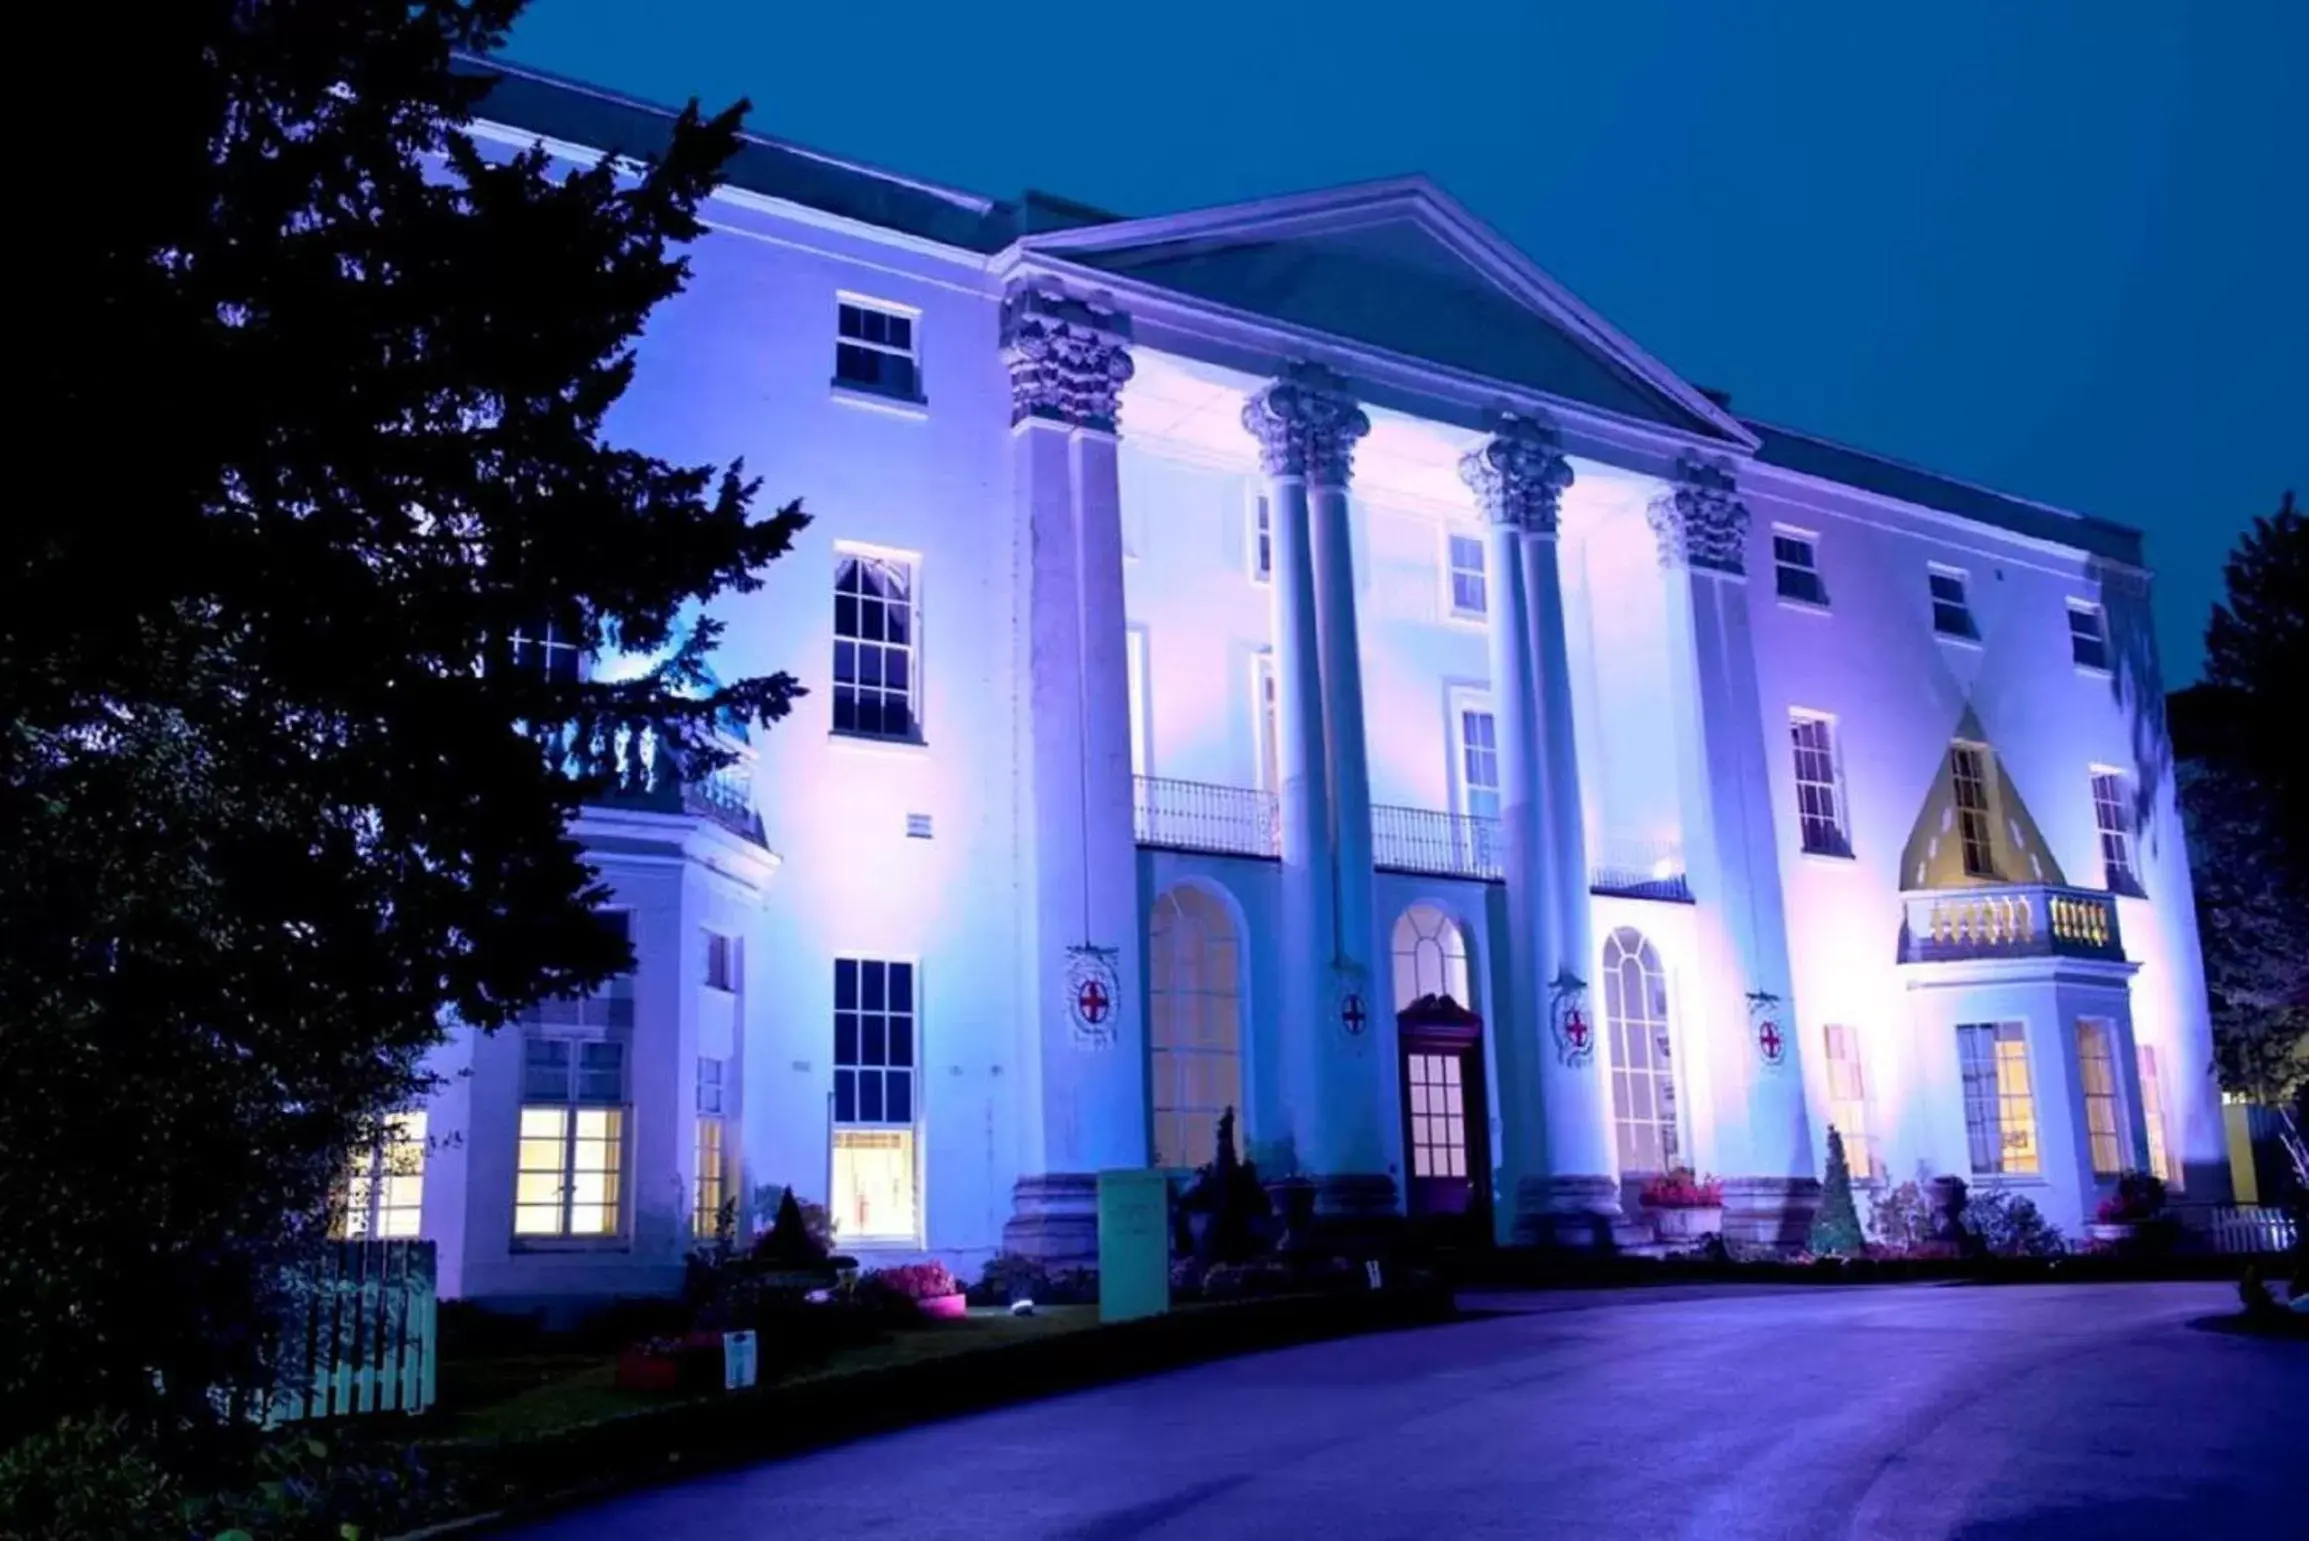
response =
{"points": [[1568, 1211], [1771, 1211], [1054, 1220]]}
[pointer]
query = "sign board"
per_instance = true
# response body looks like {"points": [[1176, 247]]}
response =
{"points": [[1134, 1245], [741, 1360]]}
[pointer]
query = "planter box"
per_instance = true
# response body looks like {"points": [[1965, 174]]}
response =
{"points": [[1686, 1224], [693, 1364], [945, 1308], [2108, 1234]]}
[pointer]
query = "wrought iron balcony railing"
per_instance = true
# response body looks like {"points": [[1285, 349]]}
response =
{"points": [[1457, 845], [1201, 816], [2022, 920], [1636, 867], [634, 770]]}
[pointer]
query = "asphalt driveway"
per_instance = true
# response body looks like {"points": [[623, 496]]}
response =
{"points": [[2075, 1412]]}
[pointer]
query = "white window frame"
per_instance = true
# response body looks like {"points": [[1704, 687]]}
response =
{"points": [[1839, 814], [2113, 831], [574, 1104], [384, 1189], [1970, 636], [2099, 637], [1460, 701], [1135, 665], [1810, 566], [1848, 1096], [2150, 1077], [1266, 724], [1452, 534], [1258, 511], [909, 564], [724, 961], [861, 1129], [2101, 1092], [558, 648], [1994, 1101], [1987, 810], [846, 299]]}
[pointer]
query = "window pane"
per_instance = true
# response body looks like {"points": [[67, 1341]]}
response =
{"points": [[874, 1196]]}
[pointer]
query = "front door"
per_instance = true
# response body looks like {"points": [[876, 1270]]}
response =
{"points": [[1446, 1116]]}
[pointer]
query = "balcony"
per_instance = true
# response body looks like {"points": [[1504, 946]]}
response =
{"points": [[1451, 845], [1630, 867], [2014, 921], [633, 770], [1202, 816]]}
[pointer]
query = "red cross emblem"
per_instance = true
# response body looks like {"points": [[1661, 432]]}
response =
{"points": [[1091, 1000], [1351, 1012], [1768, 1037], [1575, 1028]]}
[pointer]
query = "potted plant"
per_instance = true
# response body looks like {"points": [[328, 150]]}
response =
{"points": [[920, 1289], [2138, 1202], [1684, 1207]]}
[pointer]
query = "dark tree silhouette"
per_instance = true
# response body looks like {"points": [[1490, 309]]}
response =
{"points": [[275, 802]]}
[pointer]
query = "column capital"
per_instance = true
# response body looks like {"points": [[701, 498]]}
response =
{"points": [[1069, 357], [1519, 473], [1306, 424], [1701, 523]]}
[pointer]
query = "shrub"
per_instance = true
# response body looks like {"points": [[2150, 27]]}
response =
{"points": [[1233, 1202], [913, 1281], [1679, 1189], [2140, 1197], [1010, 1277], [2010, 1225], [800, 1237], [1836, 1229], [86, 1477], [1901, 1218]]}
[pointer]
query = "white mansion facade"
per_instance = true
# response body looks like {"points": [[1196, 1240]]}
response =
{"points": [[1294, 657]]}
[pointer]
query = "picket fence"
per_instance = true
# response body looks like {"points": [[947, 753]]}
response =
{"points": [[2250, 1229], [364, 1335]]}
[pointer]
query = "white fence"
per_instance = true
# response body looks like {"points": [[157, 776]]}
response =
{"points": [[364, 1336], [2250, 1229]]}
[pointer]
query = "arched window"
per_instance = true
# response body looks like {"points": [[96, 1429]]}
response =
{"points": [[1643, 1079], [1195, 1068], [1430, 956]]}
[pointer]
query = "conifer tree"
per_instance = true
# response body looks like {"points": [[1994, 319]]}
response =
{"points": [[1836, 1229], [325, 386]]}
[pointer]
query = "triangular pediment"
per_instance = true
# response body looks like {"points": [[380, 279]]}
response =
{"points": [[1402, 267], [1934, 857]]}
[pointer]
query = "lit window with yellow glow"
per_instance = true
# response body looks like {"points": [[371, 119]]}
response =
{"points": [[2104, 1102], [1999, 1098], [568, 1176], [1848, 1098], [708, 1154], [876, 1194], [384, 1194], [2161, 1159]]}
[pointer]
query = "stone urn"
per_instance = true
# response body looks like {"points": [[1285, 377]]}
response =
{"points": [[1688, 1222]]}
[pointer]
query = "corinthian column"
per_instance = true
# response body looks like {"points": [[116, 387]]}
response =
{"points": [[1556, 1156], [1069, 358], [1306, 427], [1730, 860]]}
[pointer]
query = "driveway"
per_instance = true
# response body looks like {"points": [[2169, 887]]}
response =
{"points": [[2075, 1412]]}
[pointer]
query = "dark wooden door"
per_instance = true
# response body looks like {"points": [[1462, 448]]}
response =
{"points": [[1446, 1116]]}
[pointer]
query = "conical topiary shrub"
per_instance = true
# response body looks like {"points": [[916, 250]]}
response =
{"points": [[1836, 1229]]}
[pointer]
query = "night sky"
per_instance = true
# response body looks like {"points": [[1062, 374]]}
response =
{"points": [[2051, 246]]}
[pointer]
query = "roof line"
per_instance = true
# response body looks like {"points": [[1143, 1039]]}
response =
{"points": [[975, 203], [1928, 471]]}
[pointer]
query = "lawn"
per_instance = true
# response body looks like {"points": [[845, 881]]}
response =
{"points": [[526, 1395]]}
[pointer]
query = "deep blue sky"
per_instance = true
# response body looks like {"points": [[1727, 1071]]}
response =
{"points": [[2053, 246]]}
